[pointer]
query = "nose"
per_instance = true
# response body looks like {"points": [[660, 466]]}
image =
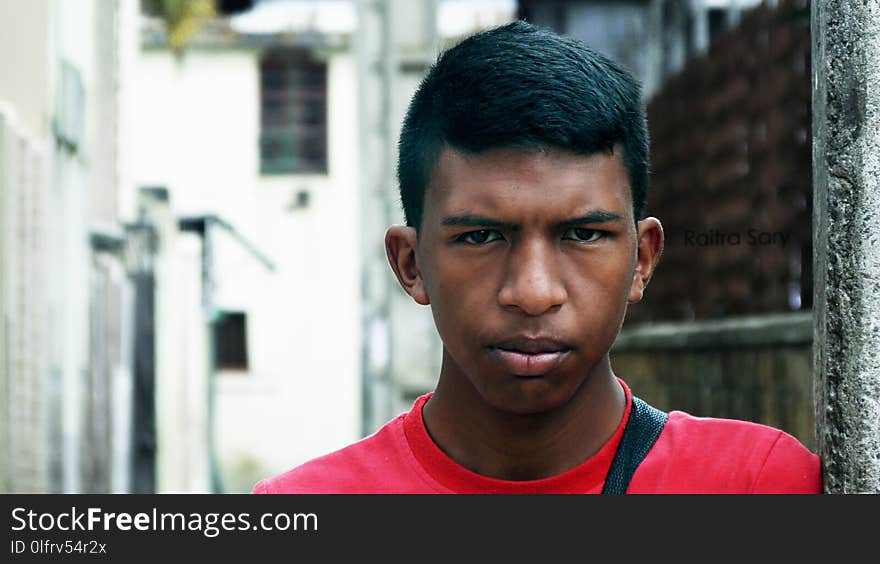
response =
{"points": [[533, 283]]}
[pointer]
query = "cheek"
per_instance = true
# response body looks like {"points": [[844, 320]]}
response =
{"points": [[601, 291], [462, 279], [608, 275], [462, 295]]}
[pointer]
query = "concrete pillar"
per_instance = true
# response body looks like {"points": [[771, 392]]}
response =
{"points": [[653, 49], [396, 42], [374, 69], [700, 28], [846, 228]]}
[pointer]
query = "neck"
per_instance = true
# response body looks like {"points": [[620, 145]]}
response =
{"points": [[514, 446]]}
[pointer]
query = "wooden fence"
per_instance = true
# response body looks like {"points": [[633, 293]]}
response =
{"points": [[755, 368]]}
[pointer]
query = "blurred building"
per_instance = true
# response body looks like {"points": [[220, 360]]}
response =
{"points": [[281, 124], [652, 38], [731, 174], [194, 292], [247, 147], [724, 329], [66, 383], [209, 303], [398, 40]]}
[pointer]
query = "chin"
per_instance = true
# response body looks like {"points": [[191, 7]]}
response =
{"points": [[529, 396]]}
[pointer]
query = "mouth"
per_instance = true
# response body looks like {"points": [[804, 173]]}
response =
{"points": [[524, 356]]}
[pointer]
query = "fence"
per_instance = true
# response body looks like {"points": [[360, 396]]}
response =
{"points": [[752, 368]]}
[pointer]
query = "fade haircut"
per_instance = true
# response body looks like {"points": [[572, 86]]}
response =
{"points": [[521, 86]]}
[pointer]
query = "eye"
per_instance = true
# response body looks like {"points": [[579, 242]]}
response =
{"points": [[583, 235], [480, 237]]}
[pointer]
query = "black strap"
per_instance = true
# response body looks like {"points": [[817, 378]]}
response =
{"points": [[642, 429]]}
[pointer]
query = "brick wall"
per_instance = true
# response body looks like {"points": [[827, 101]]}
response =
{"points": [[731, 174]]}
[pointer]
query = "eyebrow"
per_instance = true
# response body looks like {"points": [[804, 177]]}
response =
{"points": [[471, 220], [596, 216]]}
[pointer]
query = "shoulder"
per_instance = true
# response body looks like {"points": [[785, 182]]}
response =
{"points": [[721, 433], [358, 468], [731, 456]]}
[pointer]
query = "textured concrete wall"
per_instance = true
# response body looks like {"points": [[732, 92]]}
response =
{"points": [[846, 231]]}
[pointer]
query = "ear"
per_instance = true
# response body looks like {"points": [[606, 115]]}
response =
{"points": [[650, 247], [400, 246]]}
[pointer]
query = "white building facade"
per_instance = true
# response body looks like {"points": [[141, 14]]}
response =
{"points": [[284, 283], [65, 378]]}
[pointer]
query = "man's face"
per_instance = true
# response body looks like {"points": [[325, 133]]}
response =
{"points": [[527, 260]]}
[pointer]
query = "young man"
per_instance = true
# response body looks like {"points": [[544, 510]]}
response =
{"points": [[523, 171]]}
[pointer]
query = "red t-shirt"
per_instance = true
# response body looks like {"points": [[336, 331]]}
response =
{"points": [[692, 455]]}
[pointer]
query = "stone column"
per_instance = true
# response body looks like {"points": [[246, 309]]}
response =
{"points": [[846, 236], [396, 42]]}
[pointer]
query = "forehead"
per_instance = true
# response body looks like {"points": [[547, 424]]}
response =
{"points": [[538, 184]]}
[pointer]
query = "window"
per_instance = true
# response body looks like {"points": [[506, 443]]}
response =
{"points": [[717, 22], [293, 112], [230, 341]]}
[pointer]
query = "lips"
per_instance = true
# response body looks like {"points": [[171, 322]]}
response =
{"points": [[529, 356]]}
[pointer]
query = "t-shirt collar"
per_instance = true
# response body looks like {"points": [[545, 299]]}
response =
{"points": [[583, 478]]}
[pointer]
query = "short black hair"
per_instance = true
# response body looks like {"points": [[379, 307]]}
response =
{"points": [[521, 86]]}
